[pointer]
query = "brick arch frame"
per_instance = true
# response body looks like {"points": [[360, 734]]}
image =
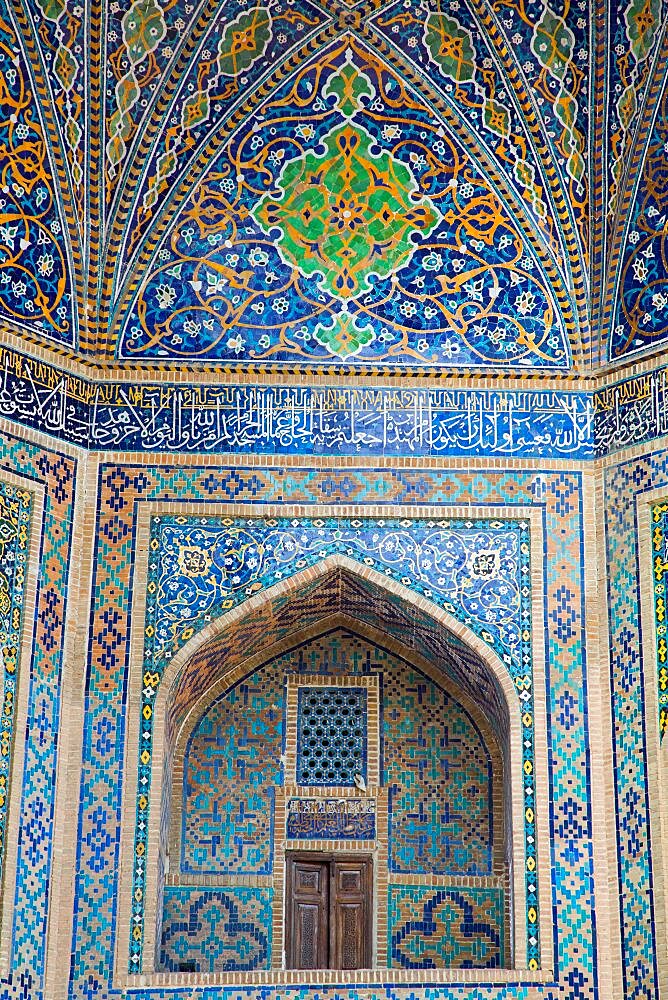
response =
{"points": [[169, 724]]}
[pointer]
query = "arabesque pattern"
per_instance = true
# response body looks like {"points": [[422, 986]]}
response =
{"points": [[35, 270], [138, 113], [443, 100], [641, 316], [636, 28], [325, 230]]}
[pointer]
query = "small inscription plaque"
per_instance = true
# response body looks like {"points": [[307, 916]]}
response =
{"points": [[331, 819]]}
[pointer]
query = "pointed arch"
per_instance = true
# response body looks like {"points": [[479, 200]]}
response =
{"points": [[336, 590]]}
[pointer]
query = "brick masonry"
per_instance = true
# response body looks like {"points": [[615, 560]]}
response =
{"points": [[558, 499]]}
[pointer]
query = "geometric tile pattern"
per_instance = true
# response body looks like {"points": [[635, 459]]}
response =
{"points": [[439, 776], [347, 593], [445, 928], [437, 767], [624, 484], [231, 767], [123, 488], [660, 567], [15, 523], [331, 735], [215, 930], [57, 474]]}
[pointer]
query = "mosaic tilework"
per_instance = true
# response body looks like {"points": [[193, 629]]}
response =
{"points": [[660, 567], [123, 488], [231, 767], [456, 47], [36, 274], [505, 123], [633, 411], [436, 766], [641, 318], [439, 775], [636, 898], [310, 420], [250, 42], [364, 600], [57, 474], [507, 116], [292, 420], [635, 34], [360, 276], [216, 930], [200, 566], [331, 819], [438, 770], [458, 928], [175, 163], [15, 523], [331, 735]]}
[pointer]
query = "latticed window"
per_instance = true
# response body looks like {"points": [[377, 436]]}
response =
{"points": [[331, 736]]}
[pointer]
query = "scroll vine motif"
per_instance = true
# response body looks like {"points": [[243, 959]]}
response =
{"points": [[242, 43], [231, 55], [641, 316], [451, 48], [143, 29], [34, 281], [634, 37], [61, 31], [206, 568], [499, 58], [461, 283], [553, 43]]}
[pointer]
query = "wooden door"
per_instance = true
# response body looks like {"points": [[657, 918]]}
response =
{"points": [[329, 912]]}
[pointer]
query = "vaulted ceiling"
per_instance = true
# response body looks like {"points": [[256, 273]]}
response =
{"points": [[315, 185]]}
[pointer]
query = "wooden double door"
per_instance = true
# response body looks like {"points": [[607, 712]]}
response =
{"points": [[329, 911]]}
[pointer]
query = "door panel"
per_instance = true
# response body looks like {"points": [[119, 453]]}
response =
{"points": [[350, 915], [307, 931]]}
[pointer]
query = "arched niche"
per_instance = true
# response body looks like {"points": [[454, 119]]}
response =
{"points": [[339, 593]]}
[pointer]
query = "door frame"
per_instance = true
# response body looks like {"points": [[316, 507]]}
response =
{"points": [[327, 857]]}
